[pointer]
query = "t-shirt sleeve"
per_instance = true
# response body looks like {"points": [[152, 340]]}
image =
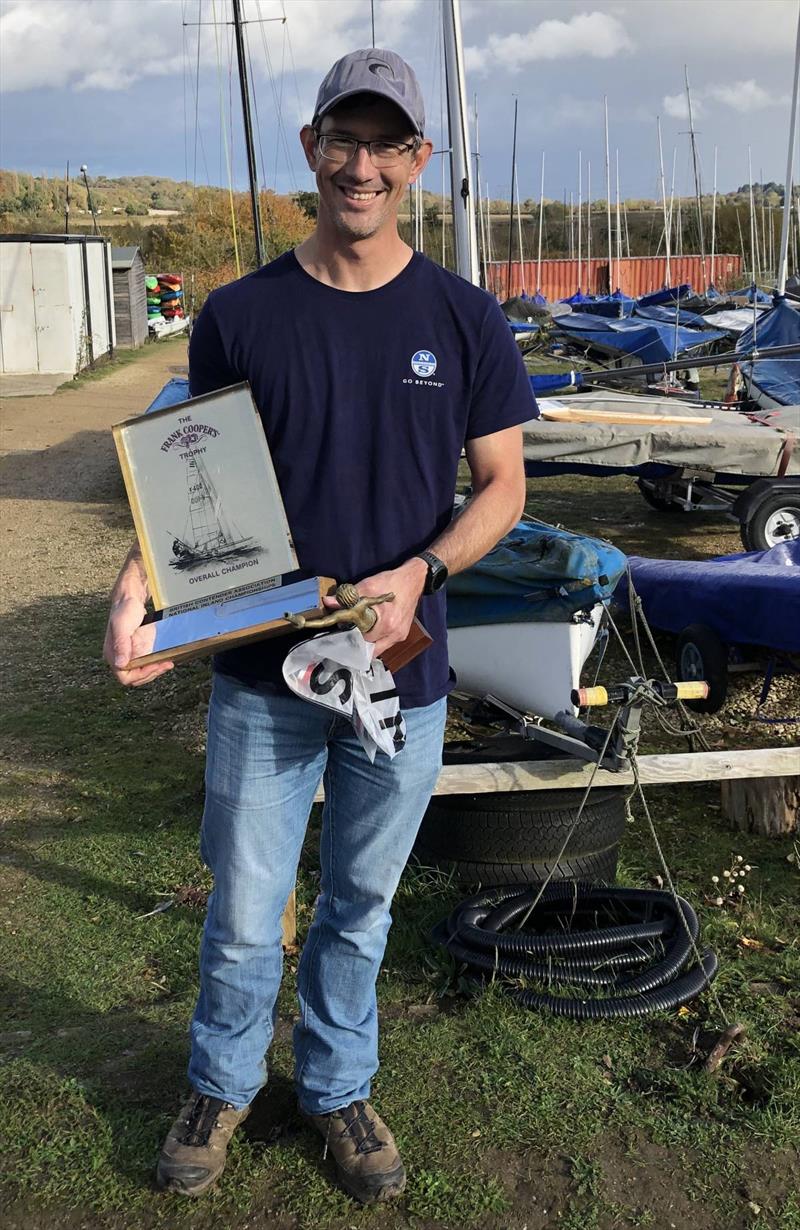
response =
{"points": [[209, 366], [501, 394]]}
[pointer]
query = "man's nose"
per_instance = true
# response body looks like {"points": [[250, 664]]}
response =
{"points": [[361, 163]]}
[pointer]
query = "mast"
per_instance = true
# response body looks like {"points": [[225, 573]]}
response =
{"points": [[464, 232], [580, 217], [511, 205], [588, 226], [519, 232], [539, 252], [608, 204], [714, 218], [754, 262], [667, 226], [248, 132], [787, 191], [619, 228], [482, 227], [697, 189], [571, 227], [66, 200]]}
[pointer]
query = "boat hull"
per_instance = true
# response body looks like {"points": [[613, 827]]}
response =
{"points": [[531, 666]]}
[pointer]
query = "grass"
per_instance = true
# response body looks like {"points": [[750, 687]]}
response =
{"points": [[501, 1113], [123, 356]]}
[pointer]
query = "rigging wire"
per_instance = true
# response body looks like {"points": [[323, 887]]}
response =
{"points": [[225, 144], [276, 100]]}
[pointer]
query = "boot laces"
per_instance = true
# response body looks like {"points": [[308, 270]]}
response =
{"points": [[202, 1120], [361, 1129]]}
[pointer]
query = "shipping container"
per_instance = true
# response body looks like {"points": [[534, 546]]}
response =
{"points": [[634, 276], [56, 302]]}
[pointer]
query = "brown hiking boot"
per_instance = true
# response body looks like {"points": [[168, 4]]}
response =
{"points": [[193, 1156], [363, 1148]]}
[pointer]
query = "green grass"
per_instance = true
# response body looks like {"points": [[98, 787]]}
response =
{"points": [[500, 1112], [123, 357]]}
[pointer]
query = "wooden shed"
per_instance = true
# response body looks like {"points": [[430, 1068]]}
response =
{"points": [[130, 296]]}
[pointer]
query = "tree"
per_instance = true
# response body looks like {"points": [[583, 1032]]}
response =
{"points": [[308, 202]]}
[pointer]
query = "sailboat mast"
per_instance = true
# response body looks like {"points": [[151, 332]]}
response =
{"points": [[714, 218], [464, 232], [667, 226], [66, 200], [511, 205], [248, 132], [519, 232], [755, 268], [588, 226], [697, 189], [619, 228], [580, 217], [787, 191], [481, 225], [608, 203], [539, 252]]}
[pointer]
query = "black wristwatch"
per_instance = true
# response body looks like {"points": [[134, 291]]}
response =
{"points": [[437, 572]]}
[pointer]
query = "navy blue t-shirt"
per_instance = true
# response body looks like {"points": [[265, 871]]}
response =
{"points": [[367, 399]]}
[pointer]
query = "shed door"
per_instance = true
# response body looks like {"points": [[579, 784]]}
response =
{"points": [[52, 308], [17, 320]]}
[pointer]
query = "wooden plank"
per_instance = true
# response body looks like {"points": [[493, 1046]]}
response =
{"points": [[657, 770], [569, 414], [289, 922]]}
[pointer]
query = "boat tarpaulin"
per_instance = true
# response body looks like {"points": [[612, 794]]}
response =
{"points": [[174, 391], [552, 383], [672, 316], [777, 379], [731, 444], [669, 294], [535, 574], [649, 342], [748, 599]]}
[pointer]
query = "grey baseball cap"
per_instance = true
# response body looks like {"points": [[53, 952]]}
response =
{"points": [[373, 71]]}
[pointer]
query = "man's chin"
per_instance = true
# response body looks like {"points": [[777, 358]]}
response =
{"points": [[359, 227]]}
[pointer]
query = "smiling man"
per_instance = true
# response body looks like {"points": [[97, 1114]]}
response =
{"points": [[372, 367]]}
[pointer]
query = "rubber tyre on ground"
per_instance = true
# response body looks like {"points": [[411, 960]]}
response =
{"points": [[656, 501], [761, 530], [700, 654], [514, 837]]}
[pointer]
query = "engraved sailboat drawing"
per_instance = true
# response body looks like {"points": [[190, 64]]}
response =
{"points": [[208, 535]]}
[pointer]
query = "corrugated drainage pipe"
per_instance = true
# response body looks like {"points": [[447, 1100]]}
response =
{"points": [[626, 942]]}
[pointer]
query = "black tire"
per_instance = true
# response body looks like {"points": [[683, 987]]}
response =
{"points": [[513, 837], [700, 654], [656, 501], [775, 519]]}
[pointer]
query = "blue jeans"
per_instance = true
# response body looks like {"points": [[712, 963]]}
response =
{"points": [[266, 756]]}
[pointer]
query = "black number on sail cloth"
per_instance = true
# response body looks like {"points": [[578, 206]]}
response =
{"points": [[399, 738], [323, 686]]}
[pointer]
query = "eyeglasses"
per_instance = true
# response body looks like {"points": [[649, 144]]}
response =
{"points": [[382, 153]]}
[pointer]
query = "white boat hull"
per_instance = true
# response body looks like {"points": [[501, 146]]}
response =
{"points": [[531, 666]]}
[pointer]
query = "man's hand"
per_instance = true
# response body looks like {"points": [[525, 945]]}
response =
{"points": [[394, 618], [125, 637]]}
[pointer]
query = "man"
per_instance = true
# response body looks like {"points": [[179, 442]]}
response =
{"points": [[371, 367]]}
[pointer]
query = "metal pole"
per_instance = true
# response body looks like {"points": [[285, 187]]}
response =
{"points": [[248, 132], [787, 191], [580, 217], [714, 218], [481, 222], [608, 205], [667, 226], [697, 188], [511, 206], [539, 254], [588, 226], [519, 233], [465, 236], [66, 201]]}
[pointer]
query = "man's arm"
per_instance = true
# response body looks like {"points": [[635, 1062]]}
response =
{"points": [[498, 482], [128, 599]]}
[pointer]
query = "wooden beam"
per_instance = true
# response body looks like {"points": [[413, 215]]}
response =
{"points": [[656, 770]]}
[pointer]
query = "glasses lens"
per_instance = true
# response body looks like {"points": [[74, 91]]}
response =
{"points": [[336, 149]]}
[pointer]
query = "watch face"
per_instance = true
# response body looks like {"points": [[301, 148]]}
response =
{"points": [[437, 574]]}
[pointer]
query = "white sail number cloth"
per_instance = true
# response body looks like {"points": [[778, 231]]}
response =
{"points": [[337, 670]]}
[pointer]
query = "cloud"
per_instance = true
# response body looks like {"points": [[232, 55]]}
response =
{"points": [[104, 45], [744, 97], [598, 35]]}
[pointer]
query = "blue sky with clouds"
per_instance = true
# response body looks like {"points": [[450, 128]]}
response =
{"points": [[117, 84]]}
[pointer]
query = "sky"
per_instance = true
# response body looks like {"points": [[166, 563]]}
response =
{"points": [[137, 87]]}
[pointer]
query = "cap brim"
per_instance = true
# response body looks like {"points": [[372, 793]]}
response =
{"points": [[378, 94]]}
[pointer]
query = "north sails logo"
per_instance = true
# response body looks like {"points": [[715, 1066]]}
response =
{"points": [[423, 363]]}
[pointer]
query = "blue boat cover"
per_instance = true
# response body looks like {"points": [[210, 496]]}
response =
{"points": [[779, 379], [578, 297], [522, 326], [747, 599], [174, 391], [538, 298], [608, 306], [536, 574], [649, 342], [668, 294], [668, 316], [748, 292], [552, 383]]}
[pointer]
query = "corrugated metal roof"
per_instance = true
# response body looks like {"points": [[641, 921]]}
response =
{"points": [[123, 258]]}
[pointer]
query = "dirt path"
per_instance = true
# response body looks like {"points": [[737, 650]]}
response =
{"points": [[64, 526]]}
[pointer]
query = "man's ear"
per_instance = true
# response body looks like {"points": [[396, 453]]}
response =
{"points": [[421, 160], [308, 140]]}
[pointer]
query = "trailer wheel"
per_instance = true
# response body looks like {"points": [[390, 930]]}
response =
{"points": [[514, 837], [648, 489], [700, 654], [775, 519]]}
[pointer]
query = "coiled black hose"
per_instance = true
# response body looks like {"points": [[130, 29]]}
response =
{"points": [[583, 935]]}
